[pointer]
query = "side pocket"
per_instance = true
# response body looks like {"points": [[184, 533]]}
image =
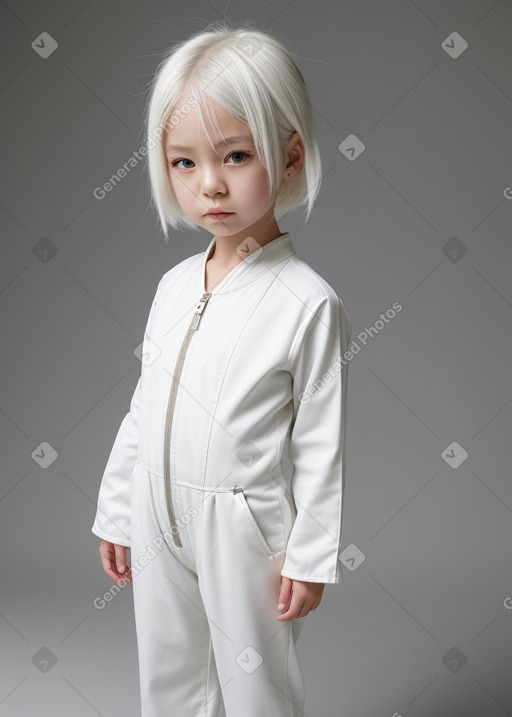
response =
{"points": [[240, 496]]}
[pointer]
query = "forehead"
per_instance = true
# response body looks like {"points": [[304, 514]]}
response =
{"points": [[186, 127]]}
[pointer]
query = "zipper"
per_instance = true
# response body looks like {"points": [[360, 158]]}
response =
{"points": [[194, 325]]}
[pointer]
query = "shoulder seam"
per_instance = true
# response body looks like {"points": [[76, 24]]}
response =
{"points": [[303, 266]]}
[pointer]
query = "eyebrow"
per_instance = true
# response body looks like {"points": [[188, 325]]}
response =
{"points": [[228, 140]]}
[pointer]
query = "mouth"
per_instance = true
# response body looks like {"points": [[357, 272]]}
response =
{"points": [[218, 213]]}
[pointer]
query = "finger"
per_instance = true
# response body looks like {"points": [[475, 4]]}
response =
{"points": [[106, 554], [304, 609], [295, 609], [287, 603], [117, 578], [121, 567], [120, 552], [108, 561], [285, 593]]}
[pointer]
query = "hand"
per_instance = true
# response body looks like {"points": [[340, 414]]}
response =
{"points": [[113, 559], [298, 598]]}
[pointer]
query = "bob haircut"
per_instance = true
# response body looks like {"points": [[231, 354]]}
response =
{"points": [[252, 76]]}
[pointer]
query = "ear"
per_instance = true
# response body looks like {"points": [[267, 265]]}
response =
{"points": [[294, 156]]}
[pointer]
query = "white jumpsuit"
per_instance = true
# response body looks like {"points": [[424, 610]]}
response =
{"points": [[194, 483]]}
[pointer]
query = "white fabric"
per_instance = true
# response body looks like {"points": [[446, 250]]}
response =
{"points": [[272, 331]]}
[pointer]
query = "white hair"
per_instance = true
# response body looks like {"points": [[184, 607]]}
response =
{"points": [[252, 76]]}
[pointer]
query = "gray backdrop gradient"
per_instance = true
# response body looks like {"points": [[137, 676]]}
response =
{"points": [[415, 208]]}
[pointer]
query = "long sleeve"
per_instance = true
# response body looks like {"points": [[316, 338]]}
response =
{"points": [[112, 521], [317, 443]]}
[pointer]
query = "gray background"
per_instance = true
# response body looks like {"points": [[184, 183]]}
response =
{"points": [[422, 624]]}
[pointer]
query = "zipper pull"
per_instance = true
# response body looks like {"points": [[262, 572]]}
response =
{"points": [[200, 307]]}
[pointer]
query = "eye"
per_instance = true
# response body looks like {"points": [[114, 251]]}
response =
{"points": [[244, 153], [176, 162]]}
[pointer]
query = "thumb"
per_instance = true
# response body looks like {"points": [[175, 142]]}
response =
{"points": [[120, 557], [285, 592]]}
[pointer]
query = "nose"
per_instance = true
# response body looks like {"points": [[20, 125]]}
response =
{"points": [[212, 180]]}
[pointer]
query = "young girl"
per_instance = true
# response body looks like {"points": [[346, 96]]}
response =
{"points": [[243, 348]]}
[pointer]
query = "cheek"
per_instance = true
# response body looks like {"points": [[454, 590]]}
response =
{"points": [[257, 186], [178, 188]]}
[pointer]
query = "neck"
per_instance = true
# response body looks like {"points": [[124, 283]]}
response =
{"points": [[225, 247]]}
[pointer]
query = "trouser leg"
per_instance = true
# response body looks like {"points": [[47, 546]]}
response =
{"points": [[177, 668], [256, 656]]}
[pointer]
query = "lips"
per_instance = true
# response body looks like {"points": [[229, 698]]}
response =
{"points": [[218, 211]]}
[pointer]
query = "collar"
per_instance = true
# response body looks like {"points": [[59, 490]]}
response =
{"points": [[249, 268]]}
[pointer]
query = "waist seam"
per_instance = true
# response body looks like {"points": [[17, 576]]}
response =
{"points": [[186, 483]]}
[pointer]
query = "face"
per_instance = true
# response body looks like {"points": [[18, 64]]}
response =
{"points": [[229, 177]]}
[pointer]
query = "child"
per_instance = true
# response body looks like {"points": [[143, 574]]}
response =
{"points": [[243, 348]]}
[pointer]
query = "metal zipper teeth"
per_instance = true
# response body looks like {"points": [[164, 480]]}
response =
{"points": [[194, 325]]}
